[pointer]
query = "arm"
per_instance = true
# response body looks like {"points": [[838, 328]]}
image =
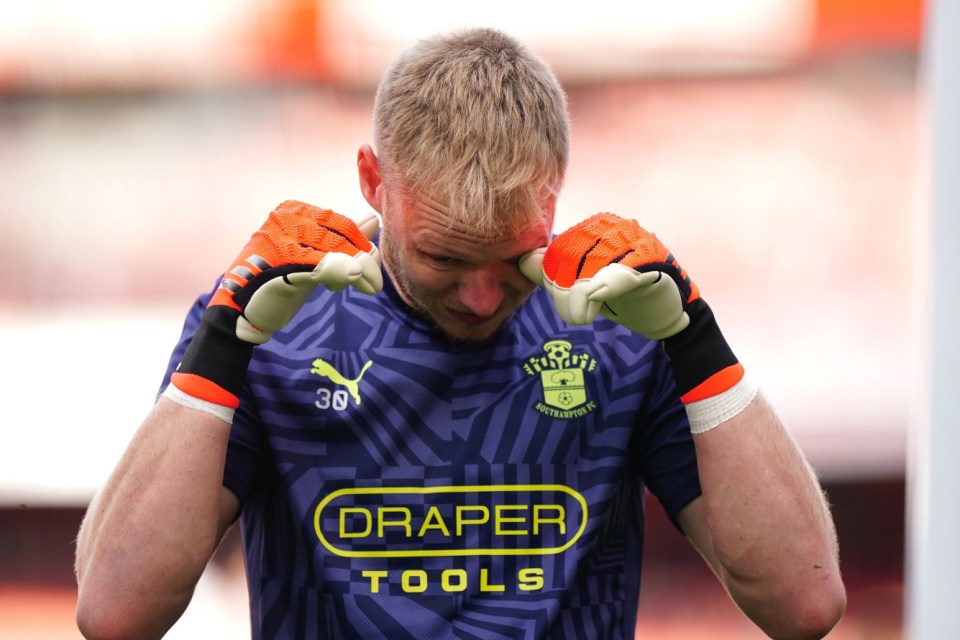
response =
{"points": [[761, 522], [764, 527], [150, 532]]}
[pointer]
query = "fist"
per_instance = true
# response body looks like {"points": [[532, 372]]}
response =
{"points": [[612, 266], [299, 247]]}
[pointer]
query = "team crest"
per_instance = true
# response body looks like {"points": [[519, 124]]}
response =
{"points": [[562, 378]]}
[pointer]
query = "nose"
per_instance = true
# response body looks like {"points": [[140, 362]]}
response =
{"points": [[482, 290]]}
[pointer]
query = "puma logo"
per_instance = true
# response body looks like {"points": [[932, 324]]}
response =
{"points": [[325, 369]]}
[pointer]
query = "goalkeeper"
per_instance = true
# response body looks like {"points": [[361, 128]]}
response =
{"points": [[446, 428]]}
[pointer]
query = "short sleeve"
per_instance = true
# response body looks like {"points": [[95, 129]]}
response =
{"points": [[665, 450], [190, 324]]}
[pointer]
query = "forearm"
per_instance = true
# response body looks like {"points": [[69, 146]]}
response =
{"points": [[149, 534], [770, 527], [762, 521]]}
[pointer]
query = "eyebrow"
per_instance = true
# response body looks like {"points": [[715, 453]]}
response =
{"points": [[432, 247]]}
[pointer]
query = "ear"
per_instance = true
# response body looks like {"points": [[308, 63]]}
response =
{"points": [[371, 180]]}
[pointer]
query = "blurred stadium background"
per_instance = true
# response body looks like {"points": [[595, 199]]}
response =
{"points": [[773, 144]]}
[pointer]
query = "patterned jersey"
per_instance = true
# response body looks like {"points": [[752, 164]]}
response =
{"points": [[395, 484]]}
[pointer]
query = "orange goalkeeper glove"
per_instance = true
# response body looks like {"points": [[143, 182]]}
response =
{"points": [[614, 267], [299, 247]]}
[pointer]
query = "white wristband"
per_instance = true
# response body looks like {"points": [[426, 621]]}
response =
{"points": [[185, 400], [711, 412]]}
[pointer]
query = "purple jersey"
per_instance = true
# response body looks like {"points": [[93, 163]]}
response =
{"points": [[396, 484]]}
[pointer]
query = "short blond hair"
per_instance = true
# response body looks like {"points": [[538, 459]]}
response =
{"points": [[478, 122]]}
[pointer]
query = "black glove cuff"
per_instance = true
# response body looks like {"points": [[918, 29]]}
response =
{"points": [[216, 353], [700, 350]]}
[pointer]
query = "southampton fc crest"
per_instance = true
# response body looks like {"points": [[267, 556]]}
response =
{"points": [[562, 378]]}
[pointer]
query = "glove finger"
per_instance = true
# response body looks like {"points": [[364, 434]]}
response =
{"points": [[655, 310], [531, 265], [368, 223], [370, 281], [572, 304], [615, 280], [337, 270], [582, 309], [274, 304]]}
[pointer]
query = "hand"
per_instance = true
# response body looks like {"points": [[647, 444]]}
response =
{"points": [[614, 267], [298, 248]]}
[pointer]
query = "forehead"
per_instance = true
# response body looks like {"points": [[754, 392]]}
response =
{"points": [[428, 224]]}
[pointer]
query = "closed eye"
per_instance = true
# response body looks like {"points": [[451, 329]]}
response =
{"points": [[442, 261]]}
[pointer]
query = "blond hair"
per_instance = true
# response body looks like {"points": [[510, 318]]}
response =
{"points": [[476, 121]]}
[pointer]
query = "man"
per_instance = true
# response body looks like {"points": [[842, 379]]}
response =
{"points": [[462, 453]]}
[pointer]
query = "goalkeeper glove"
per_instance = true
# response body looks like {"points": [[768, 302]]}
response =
{"points": [[298, 247], [614, 267]]}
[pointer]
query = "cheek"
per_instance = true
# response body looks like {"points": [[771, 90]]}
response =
{"points": [[428, 280], [516, 281]]}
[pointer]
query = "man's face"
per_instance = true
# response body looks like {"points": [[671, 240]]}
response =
{"points": [[467, 285]]}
